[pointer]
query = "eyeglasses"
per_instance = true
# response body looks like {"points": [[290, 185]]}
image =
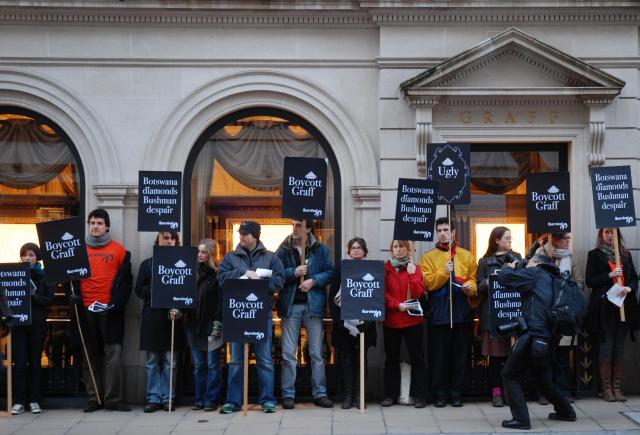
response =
{"points": [[356, 248]]}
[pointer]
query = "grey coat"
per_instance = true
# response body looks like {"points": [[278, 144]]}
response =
{"points": [[236, 263]]}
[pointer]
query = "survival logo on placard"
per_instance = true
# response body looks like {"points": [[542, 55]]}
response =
{"points": [[175, 276], [363, 288]]}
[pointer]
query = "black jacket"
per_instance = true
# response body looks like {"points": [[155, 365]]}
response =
{"points": [[536, 287], [42, 298], [486, 266], [199, 320], [602, 314]]}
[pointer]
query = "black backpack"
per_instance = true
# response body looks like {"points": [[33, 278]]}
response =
{"points": [[568, 307]]}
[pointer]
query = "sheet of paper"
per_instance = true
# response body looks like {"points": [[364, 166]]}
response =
{"points": [[614, 295], [264, 273]]}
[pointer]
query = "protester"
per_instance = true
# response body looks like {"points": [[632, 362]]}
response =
{"points": [[533, 347], [449, 345], [303, 304], [603, 317], [155, 335], [202, 322], [345, 334], [103, 298], [249, 256], [493, 346], [402, 283], [27, 341]]}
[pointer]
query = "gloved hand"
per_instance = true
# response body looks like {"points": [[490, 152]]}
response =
{"points": [[75, 299], [216, 332], [362, 327]]}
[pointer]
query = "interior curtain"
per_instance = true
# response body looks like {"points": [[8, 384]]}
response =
{"points": [[203, 171], [500, 172], [29, 157]]}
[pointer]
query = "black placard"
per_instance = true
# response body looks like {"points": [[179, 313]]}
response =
{"points": [[16, 284], [63, 249], [415, 209], [246, 310], [174, 280], [159, 199], [362, 290], [450, 165], [613, 197], [548, 202], [304, 187], [505, 306]]}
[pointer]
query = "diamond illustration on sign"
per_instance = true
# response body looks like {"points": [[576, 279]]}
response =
{"points": [[310, 176], [66, 236], [447, 162], [180, 264], [368, 277], [252, 297], [553, 189]]}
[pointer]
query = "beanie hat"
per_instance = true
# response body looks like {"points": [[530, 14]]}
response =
{"points": [[250, 227]]}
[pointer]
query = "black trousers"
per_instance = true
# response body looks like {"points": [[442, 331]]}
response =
{"points": [[449, 350], [512, 375], [350, 366], [413, 337], [26, 345]]}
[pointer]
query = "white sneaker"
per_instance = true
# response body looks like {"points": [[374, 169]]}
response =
{"points": [[17, 409], [35, 408]]}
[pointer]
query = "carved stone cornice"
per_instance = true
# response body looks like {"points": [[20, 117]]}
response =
{"points": [[112, 196], [596, 135], [366, 197]]}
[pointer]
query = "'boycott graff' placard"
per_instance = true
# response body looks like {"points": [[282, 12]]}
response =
{"points": [[362, 290], [415, 209], [505, 306], [159, 199], [15, 283], [64, 252], [613, 197], [450, 165], [304, 187], [548, 202], [246, 308], [173, 278]]}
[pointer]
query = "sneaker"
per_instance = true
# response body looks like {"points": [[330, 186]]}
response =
{"points": [[208, 407], [151, 407], [117, 406], [440, 403], [228, 408], [420, 403], [562, 417], [198, 406], [17, 409], [386, 402], [498, 402], [35, 408], [91, 406], [269, 408], [288, 403], [543, 401], [323, 402], [165, 406]]}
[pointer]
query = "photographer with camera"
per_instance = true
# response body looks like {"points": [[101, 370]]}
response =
{"points": [[535, 282]]}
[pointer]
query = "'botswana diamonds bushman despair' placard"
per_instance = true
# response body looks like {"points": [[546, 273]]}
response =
{"points": [[64, 252], [16, 283], [246, 305], [362, 290], [304, 187], [613, 197], [415, 209], [173, 282], [159, 198], [548, 202]]}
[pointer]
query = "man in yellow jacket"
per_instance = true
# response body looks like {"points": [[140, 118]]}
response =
{"points": [[449, 346]]}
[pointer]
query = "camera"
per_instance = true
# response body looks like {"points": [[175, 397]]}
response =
{"points": [[520, 325]]}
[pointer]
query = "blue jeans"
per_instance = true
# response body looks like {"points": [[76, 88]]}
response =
{"points": [[207, 376], [264, 365], [158, 370], [290, 334]]}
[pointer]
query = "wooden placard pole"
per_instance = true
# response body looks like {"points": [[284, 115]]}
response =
{"points": [[362, 372], [452, 274], [173, 330], [303, 246], [245, 388], [84, 347], [549, 246], [616, 249]]}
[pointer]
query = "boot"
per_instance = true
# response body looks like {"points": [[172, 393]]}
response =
{"points": [[347, 384], [606, 393], [617, 380]]}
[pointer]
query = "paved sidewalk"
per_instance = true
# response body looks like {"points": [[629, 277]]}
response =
{"points": [[594, 416]]}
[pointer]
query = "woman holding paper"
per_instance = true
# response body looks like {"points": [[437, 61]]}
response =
{"points": [[345, 335], [603, 316], [28, 341], [403, 286], [204, 329]]}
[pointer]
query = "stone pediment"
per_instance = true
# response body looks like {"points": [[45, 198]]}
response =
{"points": [[512, 64]]}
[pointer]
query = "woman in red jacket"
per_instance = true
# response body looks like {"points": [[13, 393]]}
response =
{"points": [[402, 282]]}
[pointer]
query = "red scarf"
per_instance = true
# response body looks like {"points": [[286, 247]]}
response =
{"points": [[612, 266], [445, 247]]}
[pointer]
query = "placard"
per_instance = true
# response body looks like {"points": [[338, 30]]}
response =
{"points": [[246, 308], [16, 284], [362, 290], [450, 165], [613, 197], [304, 188], [548, 202], [64, 252], [505, 306], [415, 209], [174, 278], [159, 199]]}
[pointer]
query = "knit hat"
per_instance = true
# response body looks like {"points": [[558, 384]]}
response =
{"points": [[31, 247], [250, 227]]}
